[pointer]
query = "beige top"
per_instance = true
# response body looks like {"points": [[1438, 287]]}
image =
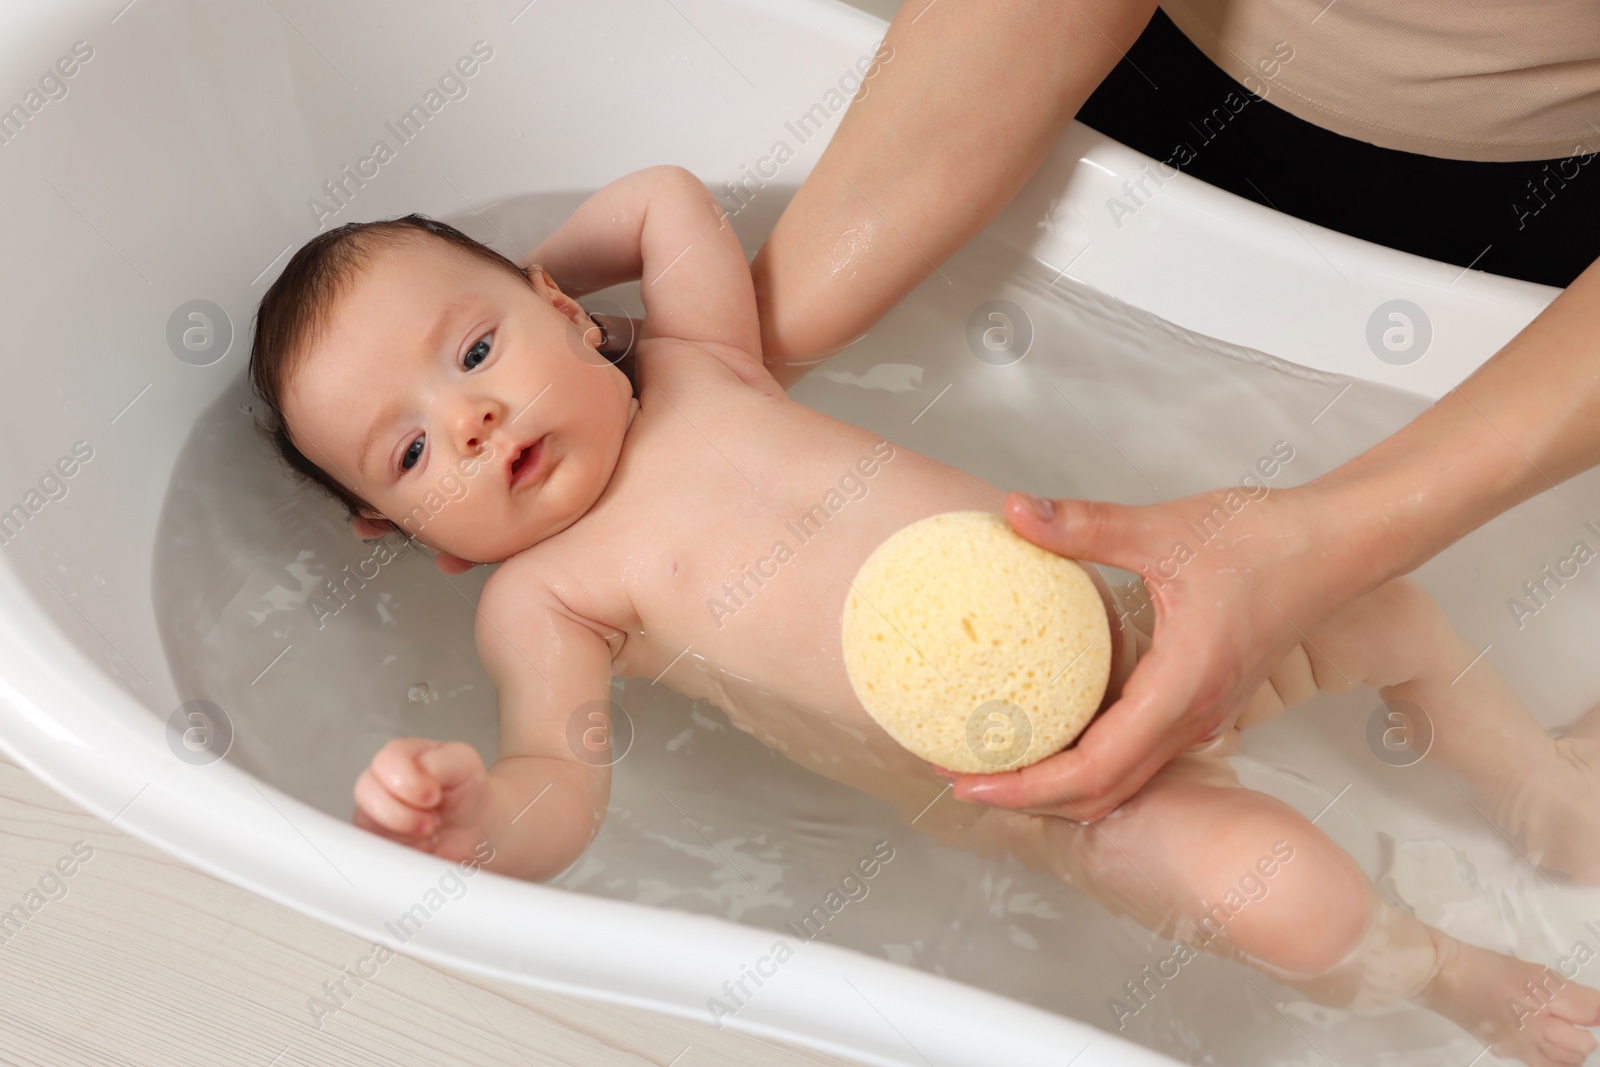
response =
{"points": [[1489, 80]]}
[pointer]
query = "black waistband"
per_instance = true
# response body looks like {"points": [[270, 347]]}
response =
{"points": [[1537, 220]]}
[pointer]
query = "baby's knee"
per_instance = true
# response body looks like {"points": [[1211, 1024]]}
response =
{"points": [[1408, 606], [1281, 894], [1387, 637]]}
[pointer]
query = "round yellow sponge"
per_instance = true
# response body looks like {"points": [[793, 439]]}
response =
{"points": [[974, 648]]}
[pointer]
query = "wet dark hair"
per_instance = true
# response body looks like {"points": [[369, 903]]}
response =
{"points": [[295, 311]]}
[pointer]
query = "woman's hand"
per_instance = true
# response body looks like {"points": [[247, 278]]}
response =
{"points": [[1228, 609]]}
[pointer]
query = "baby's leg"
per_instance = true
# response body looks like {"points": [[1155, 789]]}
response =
{"points": [[1543, 793], [1195, 857]]}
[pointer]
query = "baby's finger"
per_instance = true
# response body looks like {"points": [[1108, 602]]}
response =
{"points": [[390, 813], [424, 844], [452, 764], [397, 766], [363, 821]]}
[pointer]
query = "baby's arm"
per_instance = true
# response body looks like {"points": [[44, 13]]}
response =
{"points": [[662, 226], [542, 802]]}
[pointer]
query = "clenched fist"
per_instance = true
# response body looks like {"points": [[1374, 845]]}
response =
{"points": [[431, 795]]}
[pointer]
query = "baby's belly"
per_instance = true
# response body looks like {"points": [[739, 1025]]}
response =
{"points": [[850, 748], [844, 744], [757, 584]]}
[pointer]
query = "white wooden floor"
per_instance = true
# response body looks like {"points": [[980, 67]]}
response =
{"points": [[146, 961]]}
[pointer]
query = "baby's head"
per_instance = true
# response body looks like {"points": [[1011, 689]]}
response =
{"points": [[429, 384]]}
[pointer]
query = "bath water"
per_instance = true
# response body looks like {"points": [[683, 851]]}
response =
{"points": [[320, 648]]}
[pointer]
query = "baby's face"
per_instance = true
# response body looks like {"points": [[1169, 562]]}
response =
{"points": [[452, 397]]}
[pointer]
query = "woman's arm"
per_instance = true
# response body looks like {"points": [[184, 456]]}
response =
{"points": [[1525, 421], [969, 97]]}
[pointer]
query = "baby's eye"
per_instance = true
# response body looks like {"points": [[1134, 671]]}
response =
{"points": [[478, 352], [413, 453]]}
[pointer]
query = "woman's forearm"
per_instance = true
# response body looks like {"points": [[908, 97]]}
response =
{"points": [[968, 98], [1525, 421]]}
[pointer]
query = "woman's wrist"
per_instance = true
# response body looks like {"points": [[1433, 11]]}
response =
{"points": [[1422, 489], [1352, 544], [1521, 424]]}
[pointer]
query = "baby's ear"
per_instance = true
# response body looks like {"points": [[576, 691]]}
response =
{"points": [[365, 528], [542, 283], [546, 287]]}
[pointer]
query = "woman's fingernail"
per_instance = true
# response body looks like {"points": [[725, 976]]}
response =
{"points": [[1044, 510]]}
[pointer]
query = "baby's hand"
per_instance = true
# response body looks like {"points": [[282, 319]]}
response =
{"points": [[426, 794]]}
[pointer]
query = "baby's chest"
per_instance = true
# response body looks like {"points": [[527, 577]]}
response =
{"points": [[754, 581], [742, 546]]}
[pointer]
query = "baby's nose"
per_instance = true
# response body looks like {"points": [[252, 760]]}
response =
{"points": [[476, 428]]}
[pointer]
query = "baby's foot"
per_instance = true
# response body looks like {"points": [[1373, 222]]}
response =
{"points": [[1552, 811], [1520, 1010]]}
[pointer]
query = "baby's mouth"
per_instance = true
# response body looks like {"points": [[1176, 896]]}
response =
{"points": [[526, 462]]}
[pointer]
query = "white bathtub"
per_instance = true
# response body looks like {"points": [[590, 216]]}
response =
{"points": [[178, 167]]}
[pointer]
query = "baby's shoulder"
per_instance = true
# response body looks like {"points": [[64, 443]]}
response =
{"points": [[663, 360], [531, 589], [519, 586]]}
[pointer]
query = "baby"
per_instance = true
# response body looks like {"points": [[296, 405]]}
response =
{"points": [[688, 522]]}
